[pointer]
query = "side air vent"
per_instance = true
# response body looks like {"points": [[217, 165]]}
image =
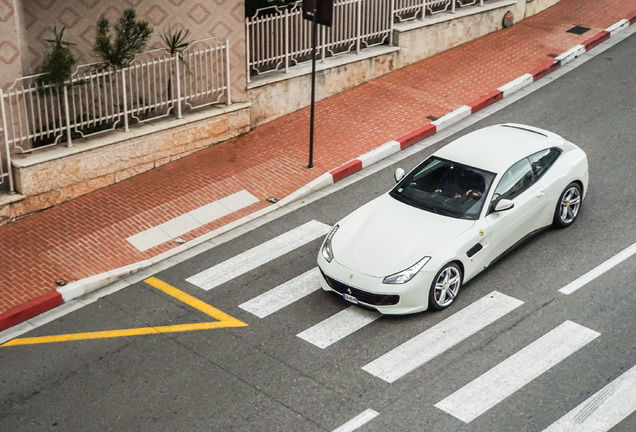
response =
{"points": [[473, 250]]}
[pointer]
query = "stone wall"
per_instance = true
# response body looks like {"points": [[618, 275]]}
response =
{"points": [[273, 98], [440, 34], [535, 6], [58, 174]]}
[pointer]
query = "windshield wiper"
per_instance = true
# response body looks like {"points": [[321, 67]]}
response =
{"points": [[404, 199]]}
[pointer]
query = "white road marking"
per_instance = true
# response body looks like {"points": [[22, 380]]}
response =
{"points": [[483, 393], [599, 270], [441, 337], [283, 295], [356, 422], [259, 255], [604, 409], [194, 219], [338, 326]]}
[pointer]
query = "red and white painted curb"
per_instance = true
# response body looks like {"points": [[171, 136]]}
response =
{"points": [[82, 287], [66, 293], [461, 113]]}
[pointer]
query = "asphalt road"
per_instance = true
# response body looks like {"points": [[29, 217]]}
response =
{"points": [[263, 377]]}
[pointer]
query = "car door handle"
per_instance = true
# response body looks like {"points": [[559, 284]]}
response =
{"points": [[540, 194]]}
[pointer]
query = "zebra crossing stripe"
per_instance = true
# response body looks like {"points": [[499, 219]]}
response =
{"points": [[604, 409], [441, 337], [283, 295], [259, 255], [360, 420], [338, 326], [516, 371], [599, 270]]}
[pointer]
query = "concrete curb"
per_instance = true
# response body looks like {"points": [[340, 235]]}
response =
{"points": [[30, 309], [82, 287]]}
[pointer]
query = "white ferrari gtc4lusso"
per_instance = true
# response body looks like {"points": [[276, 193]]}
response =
{"points": [[449, 218]]}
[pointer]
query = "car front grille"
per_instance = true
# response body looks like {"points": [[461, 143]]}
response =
{"points": [[362, 296]]}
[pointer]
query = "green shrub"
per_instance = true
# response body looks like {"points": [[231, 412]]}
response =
{"points": [[130, 39], [57, 64]]}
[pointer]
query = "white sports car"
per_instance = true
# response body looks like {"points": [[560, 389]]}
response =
{"points": [[452, 216]]}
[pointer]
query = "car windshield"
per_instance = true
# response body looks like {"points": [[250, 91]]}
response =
{"points": [[445, 187]]}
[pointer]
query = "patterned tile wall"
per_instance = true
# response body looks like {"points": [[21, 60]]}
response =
{"points": [[223, 19], [10, 54]]}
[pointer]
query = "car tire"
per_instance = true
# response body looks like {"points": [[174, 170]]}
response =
{"points": [[445, 287], [569, 206]]}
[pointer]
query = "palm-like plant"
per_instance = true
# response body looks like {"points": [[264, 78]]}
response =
{"points": [[176, 43]]}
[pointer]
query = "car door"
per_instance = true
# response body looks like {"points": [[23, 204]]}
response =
{"points": [[510, 226], [541, 162], [475, 252]]}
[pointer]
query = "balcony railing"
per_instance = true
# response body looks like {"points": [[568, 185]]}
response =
{"points": [[406, 10], [98, 100], [279, 37]]}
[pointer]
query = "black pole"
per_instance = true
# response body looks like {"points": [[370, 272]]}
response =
{"points": [[313, 85]]}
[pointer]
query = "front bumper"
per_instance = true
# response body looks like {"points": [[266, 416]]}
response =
{"points": [[390, 299]]}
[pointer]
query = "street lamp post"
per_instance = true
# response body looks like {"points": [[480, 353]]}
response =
{"points": [[318, 12], [312, 115]]}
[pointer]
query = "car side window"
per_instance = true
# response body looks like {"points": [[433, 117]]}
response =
{"points": [[543, 160], [514, 181]]}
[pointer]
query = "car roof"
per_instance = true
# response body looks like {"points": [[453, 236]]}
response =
{"points": [[496, 148]]}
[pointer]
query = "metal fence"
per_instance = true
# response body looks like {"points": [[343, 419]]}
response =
{"points": [[279, 37], [36, 114], [406, 10]]}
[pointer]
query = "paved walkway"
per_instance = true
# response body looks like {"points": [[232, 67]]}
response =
{"points": [[88, 236]]}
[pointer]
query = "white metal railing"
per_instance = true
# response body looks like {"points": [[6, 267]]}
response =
{"points": [[6, 178], [279, 37], [98, 99], [406, 10]]}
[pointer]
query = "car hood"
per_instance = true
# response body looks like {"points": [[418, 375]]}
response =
{"points": [[386, 236]]}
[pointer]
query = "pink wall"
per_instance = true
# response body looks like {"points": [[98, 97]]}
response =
{"points": [[10, 42]]}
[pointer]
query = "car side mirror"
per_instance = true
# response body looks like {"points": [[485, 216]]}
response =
{"points": [[399, 174], [503, 205]]}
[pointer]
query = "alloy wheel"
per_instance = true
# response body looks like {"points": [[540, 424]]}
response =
{"points": [[447, 286], [570, 204]]}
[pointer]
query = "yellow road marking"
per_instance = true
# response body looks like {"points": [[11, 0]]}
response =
{"points": [[194, 302], [224, 321]]}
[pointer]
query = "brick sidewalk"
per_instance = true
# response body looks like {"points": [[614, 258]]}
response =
{"points": [[87, 236]]}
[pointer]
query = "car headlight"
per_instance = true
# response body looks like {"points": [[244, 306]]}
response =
{"points": [[406, 275], [327, 251]]}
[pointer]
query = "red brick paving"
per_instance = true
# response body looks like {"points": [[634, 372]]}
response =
{"points": [[86, 236]]}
